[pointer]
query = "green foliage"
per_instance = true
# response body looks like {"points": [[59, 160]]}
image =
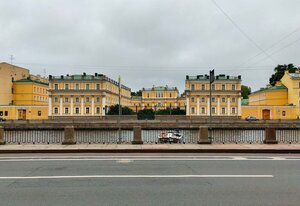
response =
{"points": [[279, 72], [174, 111], [146, 114], [245, 91], [114, 110], [137, 93]]}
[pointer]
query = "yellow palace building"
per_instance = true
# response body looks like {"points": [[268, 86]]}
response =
{"points": [[29, 102], [157, 98]]}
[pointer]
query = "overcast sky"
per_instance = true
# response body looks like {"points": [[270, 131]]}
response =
{"points": [[152, 42]]}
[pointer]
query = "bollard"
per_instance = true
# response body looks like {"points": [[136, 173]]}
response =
{"points": [[2, 136], [203, 135], [69, 135], [137, 135], [270, 136]]}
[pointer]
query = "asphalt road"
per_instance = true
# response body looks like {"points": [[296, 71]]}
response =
{"points": [[149, 179]]}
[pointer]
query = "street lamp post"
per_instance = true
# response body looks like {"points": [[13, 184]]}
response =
{"points": [[120, 111], [211, 80]]}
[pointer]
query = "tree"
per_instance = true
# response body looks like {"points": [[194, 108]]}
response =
{"points": [[279, 72], [114, 110], [174, 111], [245, 91], [146, 114], [137, 93]]}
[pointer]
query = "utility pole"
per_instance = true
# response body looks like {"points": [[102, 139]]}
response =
{"points": [[120, 110], [11, 58], [211, 80]]}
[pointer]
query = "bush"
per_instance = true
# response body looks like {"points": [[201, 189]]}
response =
{"points": [[114, 110], [146, 114], [175, 111]]}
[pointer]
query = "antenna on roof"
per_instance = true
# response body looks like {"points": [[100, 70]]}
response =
{"points": [[11, 58]]}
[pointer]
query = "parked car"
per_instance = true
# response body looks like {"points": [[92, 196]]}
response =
{"points": [[251, 118]]}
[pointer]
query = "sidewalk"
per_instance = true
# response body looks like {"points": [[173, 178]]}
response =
{"points": [[151, 148]]}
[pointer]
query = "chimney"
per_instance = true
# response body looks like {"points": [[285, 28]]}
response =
{"points": [[62, 77], [84, 74], [187, 77]]}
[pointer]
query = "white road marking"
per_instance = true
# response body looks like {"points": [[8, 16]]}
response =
{"points": [[135, 176]]}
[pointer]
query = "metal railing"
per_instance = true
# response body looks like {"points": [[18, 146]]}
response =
{"points": [[238, 136], [288, 135], [90, 136], [33, 136]]}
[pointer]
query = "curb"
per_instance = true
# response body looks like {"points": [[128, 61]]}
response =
{"points": [[277, 151]]}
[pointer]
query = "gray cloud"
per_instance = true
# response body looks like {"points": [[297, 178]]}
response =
{"points": [[151, 41]]}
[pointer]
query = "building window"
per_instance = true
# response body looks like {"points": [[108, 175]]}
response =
{"points": [[203, 99], [77, 110], [233, 110], [170, 94], [66, 110], [223, 110], [6, 113], [162, 95], [55, 99], [299, 84], [223, 99], [97, 99], [39, 113], [283, 113], [98, 110], [34, 89], [223, 87], [233, 99], [203, 110], [193, 110], [77, 87], [1, 113], [55, 86], [213, 99], [203, 86], [213, 87], [56, 110], [193, 87], [66, 99], [98, 86], [193, 99], [213, 110], [87, 110], [233, 87], [87, 86], [66, 86], [148, 95], [77, 99], [87, 99]]}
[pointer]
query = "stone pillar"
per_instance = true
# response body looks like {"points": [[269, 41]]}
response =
{"points": [[50, 106], [93, 105], [2, 136], [239, 106], [187, 105], [103, 105], [208, 110], [198, 105], [69, 135], [270, 136], [82, 107], [228, 105], [72, 106], [60, 106], [203, 135], [219, 107], [137, 135]]}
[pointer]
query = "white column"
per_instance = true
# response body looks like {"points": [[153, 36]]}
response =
{"points": [[82, 108], [187, 105], [228, 107], [198, 105], [218, 109], [176, 105], [208, 102], [103, 105], [239, 106], [153, 105], [93, 105], [50, 106], [60, 106], [72, 106]]}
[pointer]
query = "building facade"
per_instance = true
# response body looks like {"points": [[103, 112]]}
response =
{"points": [[84, 95], [8, 74], [157, 98], [225, 95]]}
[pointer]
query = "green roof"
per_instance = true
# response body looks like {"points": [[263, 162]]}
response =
{"points": [[30, 81], [274, 88], [161, 88], [245, 101]]}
